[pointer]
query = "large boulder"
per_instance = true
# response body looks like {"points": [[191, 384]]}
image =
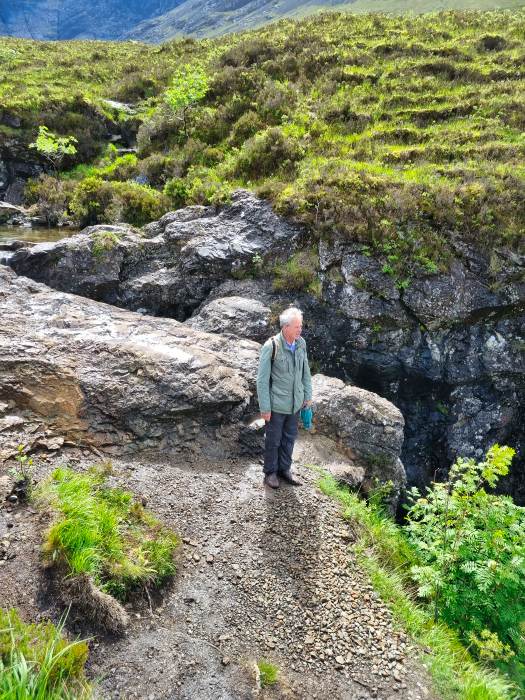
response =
{"points": [[235, 317], [111, 378], [367, 428]]}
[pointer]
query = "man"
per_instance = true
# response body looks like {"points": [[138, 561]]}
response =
{"points": [[284, 386]]}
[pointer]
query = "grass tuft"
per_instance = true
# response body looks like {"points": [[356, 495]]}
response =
{"points": [[268, 672], [105, 533], [37, 663]]}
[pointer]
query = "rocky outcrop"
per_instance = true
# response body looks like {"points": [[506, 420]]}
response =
{"points": [[367, 428], [99, 376], [171, 266], [114, 379], [448, 349]]}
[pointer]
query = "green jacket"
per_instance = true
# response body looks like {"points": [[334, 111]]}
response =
{"points": [[291, 382]]}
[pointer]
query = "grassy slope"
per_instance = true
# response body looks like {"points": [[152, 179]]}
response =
{"points": [[391, 130]]}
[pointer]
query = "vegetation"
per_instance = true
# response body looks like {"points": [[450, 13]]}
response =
{"points": [[299, 273], [471, 549], [54, 147], [104, 532], [37, 662], [447, 549], [394, 131], [23, 472], [103, 242], [268, 673]]}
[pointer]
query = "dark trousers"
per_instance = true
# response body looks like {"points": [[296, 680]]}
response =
{"points": [[279, 438]]}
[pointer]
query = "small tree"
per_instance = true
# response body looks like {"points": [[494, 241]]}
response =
{"points": [[188, 86], [53, 147]]}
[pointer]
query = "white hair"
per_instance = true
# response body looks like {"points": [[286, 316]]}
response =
{"points": [[289, 314]]}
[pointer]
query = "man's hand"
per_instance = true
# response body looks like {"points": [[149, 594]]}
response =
{"points": [[266, 416], [306, 403]]}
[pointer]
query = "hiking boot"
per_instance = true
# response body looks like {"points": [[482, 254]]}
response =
{"points": [[271, 480], [290, 478]]}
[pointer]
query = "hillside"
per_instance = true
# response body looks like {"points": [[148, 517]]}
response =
{"points": [[66, 19], [160, 20], [393, 132], [221, 16]]}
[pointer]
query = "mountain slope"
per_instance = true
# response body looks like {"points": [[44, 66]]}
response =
{"points": [[159, 20], [216, 17], [74, 19]]}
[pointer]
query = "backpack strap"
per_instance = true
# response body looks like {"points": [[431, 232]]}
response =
{"points": [[273, 349]]}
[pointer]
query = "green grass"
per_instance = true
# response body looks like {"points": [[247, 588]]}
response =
{"points": [[38, 663], [268, 672], [383, 551], [395, 129], [104, 532]]}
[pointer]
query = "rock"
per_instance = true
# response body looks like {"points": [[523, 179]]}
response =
{"points": [[8, 422], [171, 267], [8, 212], [234, 316], [52, 444], [368, 428], [113, 378], [251, 437]]}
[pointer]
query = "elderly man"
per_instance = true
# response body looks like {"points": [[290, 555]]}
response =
{"points": [[283, 387]]}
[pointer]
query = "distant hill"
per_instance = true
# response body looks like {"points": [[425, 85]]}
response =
{"points": [[159, 20], [76, 19]]}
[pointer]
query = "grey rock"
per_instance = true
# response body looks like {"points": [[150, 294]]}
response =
{"points": [[368, 428], [113, 378], [11, 211], [234, 316], [170, 268]]}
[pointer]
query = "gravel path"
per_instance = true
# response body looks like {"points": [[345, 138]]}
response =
{"points": [[263, 574]]}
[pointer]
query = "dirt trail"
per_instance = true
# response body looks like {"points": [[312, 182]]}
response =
{"points": [[263, 574]]}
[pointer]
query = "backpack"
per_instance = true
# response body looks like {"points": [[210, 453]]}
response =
{"points": [[274, 348]]}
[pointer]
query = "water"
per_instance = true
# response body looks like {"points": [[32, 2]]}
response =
{"points": [[39, 234]]}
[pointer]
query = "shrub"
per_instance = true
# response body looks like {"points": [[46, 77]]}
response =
{"points": [[49, 197], [176, 190], [246, 126], [472, 550], [266, 153], [298, 274], [91, 199], [105, 533], [205, 186], [37, 662], [158, 168], [97, 201]]}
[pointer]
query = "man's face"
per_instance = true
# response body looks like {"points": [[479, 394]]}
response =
{"points": [[293, 329]]}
